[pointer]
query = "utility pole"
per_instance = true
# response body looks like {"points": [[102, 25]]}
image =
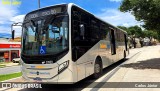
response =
{"points": [[38, 3]]}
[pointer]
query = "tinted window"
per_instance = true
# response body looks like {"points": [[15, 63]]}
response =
{"points": [[94, 31]]}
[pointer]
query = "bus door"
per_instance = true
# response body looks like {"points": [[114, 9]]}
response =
{"points": [[113, 44]]}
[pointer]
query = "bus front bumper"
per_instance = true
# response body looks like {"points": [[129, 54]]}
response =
{"points": [[51, 75]]}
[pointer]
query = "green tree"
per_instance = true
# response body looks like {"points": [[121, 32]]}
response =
{"points": [[124, 28], [137, 31], [133, 30], [147, 11], [150, 34]]}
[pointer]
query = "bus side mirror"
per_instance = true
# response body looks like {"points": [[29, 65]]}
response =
{"points": [[82, 30], [13, 31]]}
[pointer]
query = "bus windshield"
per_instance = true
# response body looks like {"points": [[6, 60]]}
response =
{"points": [[45, 36]]}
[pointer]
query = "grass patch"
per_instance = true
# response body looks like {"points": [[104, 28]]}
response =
{"points": [[5, 64], [10, 76], [1, 66], [2, 62]]}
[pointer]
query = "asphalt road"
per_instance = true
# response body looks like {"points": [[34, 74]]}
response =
{"points": [[9, 70]]}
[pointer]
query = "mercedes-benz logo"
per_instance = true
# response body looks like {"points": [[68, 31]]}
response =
{"points": [[37, 73]]}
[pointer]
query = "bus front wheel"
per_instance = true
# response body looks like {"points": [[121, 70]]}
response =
{"points": [[97, 69]]}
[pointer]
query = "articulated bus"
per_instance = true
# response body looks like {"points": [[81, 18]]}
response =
{"points": [[65, 43]]}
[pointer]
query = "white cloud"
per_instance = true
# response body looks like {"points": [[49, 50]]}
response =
{"points": [[115, 0], [9, 15], [117, 18], [7, 12], [4, 29], [18, 18]]}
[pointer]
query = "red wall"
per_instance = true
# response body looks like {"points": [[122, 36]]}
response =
{"points": [[10, 45]]}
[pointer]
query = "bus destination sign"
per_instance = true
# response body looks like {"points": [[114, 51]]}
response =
{"points": [[45, 12]]}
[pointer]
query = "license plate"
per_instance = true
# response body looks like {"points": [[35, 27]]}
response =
{"points": [[37, 79]]}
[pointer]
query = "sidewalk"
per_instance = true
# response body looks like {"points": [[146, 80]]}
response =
{"points": [[144, 67]]}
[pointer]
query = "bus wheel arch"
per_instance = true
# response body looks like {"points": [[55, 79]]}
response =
{"points": [[98, 67]]}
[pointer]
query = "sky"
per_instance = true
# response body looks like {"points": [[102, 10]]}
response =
{"points": [[107, 10]]}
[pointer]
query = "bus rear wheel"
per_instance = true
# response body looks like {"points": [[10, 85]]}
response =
{"points": [[97, 69]]}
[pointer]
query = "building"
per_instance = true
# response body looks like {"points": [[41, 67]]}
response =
{"points": [[9, 49]]}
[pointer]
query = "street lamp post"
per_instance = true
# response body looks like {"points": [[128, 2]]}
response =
{"points": [[38, 3]]}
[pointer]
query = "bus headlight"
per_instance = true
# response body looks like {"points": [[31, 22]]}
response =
{"points": [[63, 66]]}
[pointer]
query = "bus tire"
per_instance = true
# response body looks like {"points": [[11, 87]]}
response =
{"points": [[97, 68]]}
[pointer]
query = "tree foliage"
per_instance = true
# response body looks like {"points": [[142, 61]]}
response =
{"points": [[138, 32], [150, 34], [135, 30], [147, 11]]}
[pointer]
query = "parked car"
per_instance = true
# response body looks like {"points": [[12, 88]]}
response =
{"points": [[2, 59], [16, 60]]}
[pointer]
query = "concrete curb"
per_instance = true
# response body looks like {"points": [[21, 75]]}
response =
{"points": [[9, 66]]}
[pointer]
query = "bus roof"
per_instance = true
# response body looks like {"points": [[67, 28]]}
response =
{"points": [[72, 4]]}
